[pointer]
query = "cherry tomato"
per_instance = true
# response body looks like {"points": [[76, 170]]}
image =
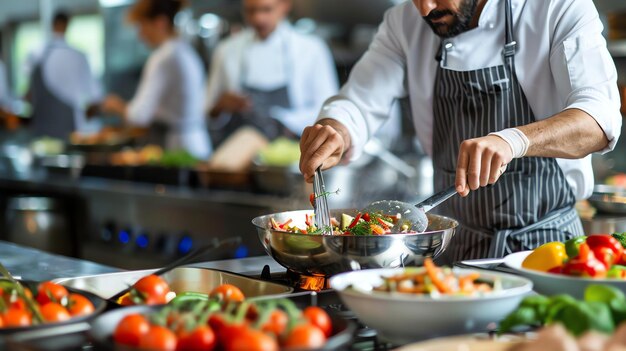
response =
{"points": [[50, 292], [229, 333], [305, 336], [54, 312], [158, 338], [228, 292], [78, 305], [199, 339], [16, 318], [252, 340], [130, 329], [277, 323], [319, 318], [15, 301], [1, 322], [153, 289], [312, 199]]}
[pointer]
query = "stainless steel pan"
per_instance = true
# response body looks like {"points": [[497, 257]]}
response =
{"points": [[331, 254], [609, 199]]}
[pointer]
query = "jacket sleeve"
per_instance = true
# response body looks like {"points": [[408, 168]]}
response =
{"points": [[376, 81], [584, 72]]}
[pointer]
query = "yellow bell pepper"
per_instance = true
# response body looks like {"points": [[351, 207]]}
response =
{"points": [[546, 257]]}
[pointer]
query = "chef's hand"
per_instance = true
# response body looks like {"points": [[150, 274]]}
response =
{"points": [[231, 103], [114, 104], [481, 162], [322, 144]]}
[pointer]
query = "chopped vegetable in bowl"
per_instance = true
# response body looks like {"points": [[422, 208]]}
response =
{"points": [[436, 281]]}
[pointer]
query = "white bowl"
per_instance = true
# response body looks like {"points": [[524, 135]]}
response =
{"points": [[553, 284], [403, 318]]}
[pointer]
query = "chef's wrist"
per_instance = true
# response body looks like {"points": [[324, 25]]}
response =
{"points": [[517, 140]]}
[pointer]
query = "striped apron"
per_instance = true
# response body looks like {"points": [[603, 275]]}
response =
{"points": [[531, 203]]}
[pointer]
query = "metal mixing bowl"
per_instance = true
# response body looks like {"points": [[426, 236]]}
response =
{"points": [[331, 254]]}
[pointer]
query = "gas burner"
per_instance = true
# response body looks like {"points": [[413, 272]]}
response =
{"points": [[308, 282], [299, 282]]}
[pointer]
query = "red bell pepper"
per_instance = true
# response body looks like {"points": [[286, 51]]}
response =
{"points": [[604, 255], [585, 264], [312, 199], [606, 241], [355, 220], [308, 219]]}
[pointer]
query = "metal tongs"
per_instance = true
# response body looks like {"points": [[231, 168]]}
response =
{"points": [[322, 213]]}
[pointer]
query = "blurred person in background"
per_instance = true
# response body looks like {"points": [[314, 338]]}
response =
{"points": [[62, 88], [170, 96], [269, 75]]}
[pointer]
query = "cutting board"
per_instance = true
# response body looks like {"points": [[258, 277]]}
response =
{"points": [[463, 343], [237, 152]]}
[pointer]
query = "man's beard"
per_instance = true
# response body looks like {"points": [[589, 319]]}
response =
{"points": [[460, 23]]}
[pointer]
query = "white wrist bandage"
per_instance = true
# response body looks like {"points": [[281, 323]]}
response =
{"points": [[516, 139]]}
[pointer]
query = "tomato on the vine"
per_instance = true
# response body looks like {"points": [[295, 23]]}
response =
{"points": [[200, 339], [228, 292], [276, 323], [54, 312], [130, 329], [14, 317], [319, 318], [152, 289], [50, 292], [158, 338], [305, 336], [252, 340], [78, 305]]}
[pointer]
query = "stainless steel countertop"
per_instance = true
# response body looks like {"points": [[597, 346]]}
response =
{"points": [[33, 264]]}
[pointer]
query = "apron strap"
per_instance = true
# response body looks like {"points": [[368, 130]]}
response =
{"points": [[510, 45]]}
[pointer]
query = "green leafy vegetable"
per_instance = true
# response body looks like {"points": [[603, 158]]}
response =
{"points": [[603, 308]]}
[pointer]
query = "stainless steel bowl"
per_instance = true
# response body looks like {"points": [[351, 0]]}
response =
{"points": [[327, 254], [609, 199]]}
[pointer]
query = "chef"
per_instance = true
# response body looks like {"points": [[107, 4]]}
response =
{"points": [[170, 96], [269, 76], [62, 87], [509, 97]]}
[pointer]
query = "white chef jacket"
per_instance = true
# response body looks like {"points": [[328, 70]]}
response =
{"points": [[562, 62], [67, 75], [171, 91], [301, 62]]}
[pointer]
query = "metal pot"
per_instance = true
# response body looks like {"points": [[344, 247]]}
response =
{"points": [[326, 255], [39, 222]]}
